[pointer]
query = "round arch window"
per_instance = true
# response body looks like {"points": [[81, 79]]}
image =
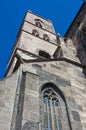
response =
{"points": [[35, 33], [46, 37]]}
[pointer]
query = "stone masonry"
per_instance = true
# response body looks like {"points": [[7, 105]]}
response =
{"points": [[30, 72]]}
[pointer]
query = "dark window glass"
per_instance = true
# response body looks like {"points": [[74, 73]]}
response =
{"points": [[44, 54], [38, 24], [35, 33], [46, 37]]}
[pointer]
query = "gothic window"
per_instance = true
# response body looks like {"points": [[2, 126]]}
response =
{"points": [[51, 111], [46, 37], [44, 54], [35, 33]]}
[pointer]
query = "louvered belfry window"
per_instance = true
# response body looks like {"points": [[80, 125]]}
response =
{"points": [[51, 111]]}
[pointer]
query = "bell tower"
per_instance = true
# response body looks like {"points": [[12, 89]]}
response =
{"points": [[36, 40], [44, 85]]}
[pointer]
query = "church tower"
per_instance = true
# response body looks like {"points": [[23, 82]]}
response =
{"points": [[44, 86]]}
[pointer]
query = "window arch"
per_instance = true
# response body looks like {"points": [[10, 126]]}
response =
{"points": [[35, 33], [38, 24], [46, 37], [44, 54], [51, 115], [51, 110]]}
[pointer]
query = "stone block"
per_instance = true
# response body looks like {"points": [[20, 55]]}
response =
{"points": [[76, 116]]}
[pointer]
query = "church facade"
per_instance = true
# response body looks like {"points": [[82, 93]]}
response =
{"points": [[45, 84]]}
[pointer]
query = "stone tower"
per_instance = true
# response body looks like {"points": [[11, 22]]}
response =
{"points": [[44, 86]]}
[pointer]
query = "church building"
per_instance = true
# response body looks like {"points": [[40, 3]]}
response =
{"points": [[44, 87]]}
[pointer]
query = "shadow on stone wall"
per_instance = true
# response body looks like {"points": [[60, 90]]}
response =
{"points": [[30, 125]]}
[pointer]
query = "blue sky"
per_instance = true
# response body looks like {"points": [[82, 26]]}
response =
{"points": [[12, 12]]}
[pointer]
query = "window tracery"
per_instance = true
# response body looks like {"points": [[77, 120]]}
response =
{"points": [[51, 111]]}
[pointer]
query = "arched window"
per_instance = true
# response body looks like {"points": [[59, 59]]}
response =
{"points": [[50, 111], [44, 54], [35, 33], [38, 24], [46, 37]]}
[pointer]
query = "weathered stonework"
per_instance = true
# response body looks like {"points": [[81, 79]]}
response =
{"points": [[29, 74]]}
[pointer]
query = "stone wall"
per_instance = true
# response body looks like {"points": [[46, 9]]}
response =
{"points": [[20, 95], [30, 119], [61, 74], [7, 98], [78, 89]]}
